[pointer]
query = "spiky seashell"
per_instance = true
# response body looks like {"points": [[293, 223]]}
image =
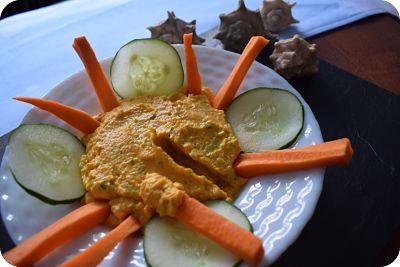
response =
{"points": [[277, 15], [173, 28], [239, 26], [294, 57]]}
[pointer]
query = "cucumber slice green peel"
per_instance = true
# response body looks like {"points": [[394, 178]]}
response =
{"points": [[44, 161], [146, 66], [167, 242], [42, 197], [265, 119]]}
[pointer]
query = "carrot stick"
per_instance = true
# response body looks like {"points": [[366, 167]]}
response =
{"points": [[74, 117], [57, 234], [104, 92], [192, 72], [232, 83], [224, 232], [94, 254], [276, 161]]}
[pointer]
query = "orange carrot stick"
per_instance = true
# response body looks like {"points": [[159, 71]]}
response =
{"points": [[57, 234], [232, 83], [94, 254], [224, 232], [192, 72], [276, 161], [104, 92], [74, 117]]}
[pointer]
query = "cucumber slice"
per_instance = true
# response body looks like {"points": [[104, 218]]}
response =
{"points": [[146, 66], [266, 118], [44, 160], [167, 242]]}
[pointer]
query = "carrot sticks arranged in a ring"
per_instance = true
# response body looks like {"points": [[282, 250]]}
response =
{"points": [[104, 92], [232, 83], [78, 119], [192, 213], [192, 72], [58, 233], [277, 161], [94, 254]]}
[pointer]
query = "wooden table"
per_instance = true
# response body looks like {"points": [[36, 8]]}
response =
{"points": [[369, 48]]}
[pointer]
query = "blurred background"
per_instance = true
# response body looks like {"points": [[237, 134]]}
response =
{"points": [[20, 6]]}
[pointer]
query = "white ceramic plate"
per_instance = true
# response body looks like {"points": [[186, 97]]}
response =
{"points": [[277, 205]]}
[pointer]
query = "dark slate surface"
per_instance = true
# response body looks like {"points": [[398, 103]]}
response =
{"points": [[358, 210]]}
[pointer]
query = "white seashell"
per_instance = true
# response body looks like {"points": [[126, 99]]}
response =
{"points": [[294, 57], [277, 15]]}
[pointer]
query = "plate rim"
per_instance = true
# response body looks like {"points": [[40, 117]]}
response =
{"points": [[317, 191]]}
